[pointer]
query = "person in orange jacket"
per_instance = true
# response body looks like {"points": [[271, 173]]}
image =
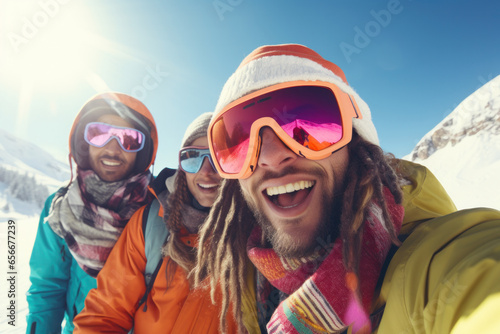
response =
{"points": [[171, 305]]}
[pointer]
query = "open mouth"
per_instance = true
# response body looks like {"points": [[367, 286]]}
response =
{"points": [[289, 195]]}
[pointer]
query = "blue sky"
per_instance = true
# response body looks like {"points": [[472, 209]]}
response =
{"points": [[413, 62]]}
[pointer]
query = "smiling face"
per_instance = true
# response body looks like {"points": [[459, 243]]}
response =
{"points": [[204, 185], [292, 196], [110, 162]]}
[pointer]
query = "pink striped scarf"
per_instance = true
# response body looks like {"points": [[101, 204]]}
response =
{"points": [[323, 295], [91, 214]]}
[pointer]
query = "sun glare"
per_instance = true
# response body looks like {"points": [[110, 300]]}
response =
{"points": [[49, 45], [50, 48], [46, 48]]}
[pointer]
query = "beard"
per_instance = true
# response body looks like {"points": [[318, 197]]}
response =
{"points": [[291, 247], [325, 233]]}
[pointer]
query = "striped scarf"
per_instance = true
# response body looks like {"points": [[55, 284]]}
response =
{"points": [[90, 215], [322, 296]]}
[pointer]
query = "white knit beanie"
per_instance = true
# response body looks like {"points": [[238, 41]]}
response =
{"points": [[197, 129], [273, 64]]}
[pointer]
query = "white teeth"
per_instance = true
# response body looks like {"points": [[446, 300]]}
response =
{"points": [[289, 188], [208, 186], [110, 163]]}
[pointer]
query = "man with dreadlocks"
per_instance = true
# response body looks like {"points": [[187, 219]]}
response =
{"points": [[113, 142], [343, 238]]}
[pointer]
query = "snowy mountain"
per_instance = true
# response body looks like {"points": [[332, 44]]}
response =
{"points": [[27, 175], [463, 151], [20, 154]]}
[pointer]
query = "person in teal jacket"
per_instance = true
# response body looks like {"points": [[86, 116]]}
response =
{"points": [[113, 142]]}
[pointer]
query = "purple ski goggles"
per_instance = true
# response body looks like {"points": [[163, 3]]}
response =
{"points": [[99, 134]]}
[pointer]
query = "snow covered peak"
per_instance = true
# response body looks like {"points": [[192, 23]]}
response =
{"points": [[463, 151], [28, 174], [23, 156], [478, 113]]}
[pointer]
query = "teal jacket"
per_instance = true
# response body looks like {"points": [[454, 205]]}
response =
{"points": [[58, 284]]}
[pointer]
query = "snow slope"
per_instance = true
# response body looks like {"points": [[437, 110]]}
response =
{"points": [[20, 154], [463, 151], [26, 161], [31, 164]]}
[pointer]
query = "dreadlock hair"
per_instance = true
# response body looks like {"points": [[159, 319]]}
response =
{"points": [[222, 257], [179, 253], [369, 171], [222, 250]]}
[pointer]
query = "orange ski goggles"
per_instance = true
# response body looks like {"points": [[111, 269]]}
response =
{"points": [[312, 118]]}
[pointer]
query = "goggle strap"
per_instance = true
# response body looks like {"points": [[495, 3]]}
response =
{"points": [[70, 156]]}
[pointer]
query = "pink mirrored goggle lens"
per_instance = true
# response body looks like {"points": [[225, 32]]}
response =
{"points": [[99, 134], [309, 115]]}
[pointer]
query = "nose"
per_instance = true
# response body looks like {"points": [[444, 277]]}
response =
{"points": [[113, 146], [273, 153]]}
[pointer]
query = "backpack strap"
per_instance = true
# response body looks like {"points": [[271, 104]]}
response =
{"points": [[155, 234]]}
